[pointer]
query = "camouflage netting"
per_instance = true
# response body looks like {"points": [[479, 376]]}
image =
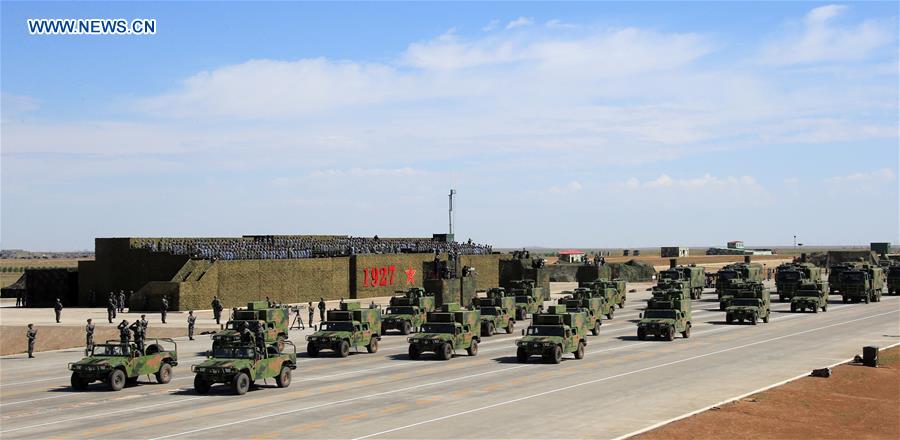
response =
{"points": [[830, 258], [630, 271]]}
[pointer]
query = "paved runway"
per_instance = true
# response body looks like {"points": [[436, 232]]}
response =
{"points": [[621, 386]]}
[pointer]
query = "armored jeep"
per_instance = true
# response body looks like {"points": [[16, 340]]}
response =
{"points": [[240, 365], [668, 312], [810, 296], [582, 299], [445, 331], [407, 312], [529, 298], [119, 364], [862, 283], [735, 288], [735, 273], [350, 326], [789, 277], [893, 280], [693, 277], [496, 312], [613, 292], [275, 320], [553, 333], [751, 305]]}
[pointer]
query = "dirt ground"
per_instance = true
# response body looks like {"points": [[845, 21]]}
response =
{"points": [[12, 338], [855, 402]]}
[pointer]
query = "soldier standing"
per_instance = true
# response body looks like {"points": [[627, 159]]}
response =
{"points": [[124, 333], [57, 308], [191, 321], [122, 301], [163, 308], [88, 337], [260, 339], [312, 313], [111, 308], [138, 331], [31, 334], [144, 323], [321, 309], [246, 334], [217, 309]]}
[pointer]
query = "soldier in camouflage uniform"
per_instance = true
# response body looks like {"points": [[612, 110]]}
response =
{"points": [[312, 312], [191, 321], [124, 333], [138, 330], [122, 301], [57, 308], [217, 309], [163, 308], [31, 334], [111, 308], [321, 309], [88, 337], [260, 339]]}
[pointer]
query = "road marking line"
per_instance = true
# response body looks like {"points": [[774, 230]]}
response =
{"points": [[603, 379]]}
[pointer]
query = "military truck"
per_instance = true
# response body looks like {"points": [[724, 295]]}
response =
{"points": [[834, 276], [750, 304], [350, 326], [275, 320], [613, 291], [736, 272], [893, 281], [529, 298], [240, 365], [120, 364], [862, 283], [445, 331], [693, 277], [407, 312], [553, 333], [734, 290], [668, 312], [790, 276], [582, 299], [810, 296], [497, 312]]}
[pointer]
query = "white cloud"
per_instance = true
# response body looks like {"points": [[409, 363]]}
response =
{"points": [[559, 24], [571, 187], [882, 175], [17, 105], [705, 181], [492, 25], [520, 22], [820, 39]]}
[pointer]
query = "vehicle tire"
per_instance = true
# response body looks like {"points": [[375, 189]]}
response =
{"points": [[612, 312], [728, 318], [373, 345], [78, 383], [642, 334], [283, 380], [769, 314], [445, 352], [596, 330], [131, 381], [687, 331], [520, 314], [240, 384], [622, 303], [279, 343], [116, 380], [201, 385], [844, 299], [556, 355], [511, 327], [491, 331], [579, 352], [753, 318], [343, 349], [473, 348], [164, 375], [793, 307], [867, 298], [815, 309], [414, 352], [670, 333], [405, 328], [825, 307], [521, 355], [312, 350]]}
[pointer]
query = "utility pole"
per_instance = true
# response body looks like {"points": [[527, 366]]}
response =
{"points": [[450, 213], [795, 244]]}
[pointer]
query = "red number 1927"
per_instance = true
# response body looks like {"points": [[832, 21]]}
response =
{"points": [[379, 276]]}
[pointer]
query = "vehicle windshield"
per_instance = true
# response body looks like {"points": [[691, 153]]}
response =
{"points": [[852, 276], [789, 276], [111, 350], [522, 298], [401, 310], [546, 330], [234, 352], [745, 302], [670, 274], [438, 328], [488, 310], [725, 276], [659, 314], [337, 326]]}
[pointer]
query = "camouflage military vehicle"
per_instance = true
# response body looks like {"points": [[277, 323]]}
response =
{"points": [[553, 333], [862, 283], [893, 280], [667, 313], [735, 289], [497, 311], [749, 304], [582, 299], [693, 277], [790, 276], [407, 312], [348, 327], [613, 291], [736, 272], [834, 276], [240, 365], [447, 330], [529, 298], [810, 296], [257, 313], [119, 364]]}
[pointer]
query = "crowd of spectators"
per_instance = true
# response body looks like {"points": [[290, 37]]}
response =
{"points": [[290, 247]]}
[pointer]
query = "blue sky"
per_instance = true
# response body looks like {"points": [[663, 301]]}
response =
{"points": [[573, 124]]}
